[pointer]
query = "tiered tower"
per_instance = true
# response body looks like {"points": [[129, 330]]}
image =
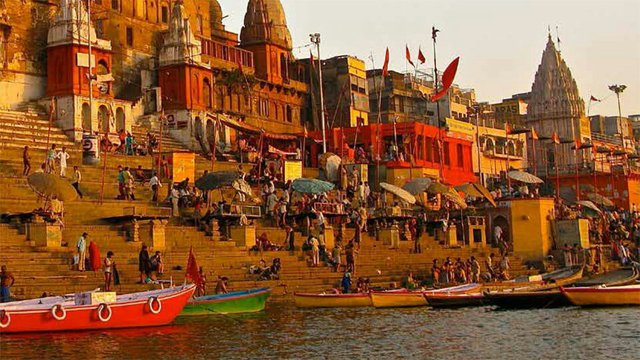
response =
{"points": [[555, 106]]}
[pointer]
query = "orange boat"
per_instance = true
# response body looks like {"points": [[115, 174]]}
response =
{"points": [[628, 295], [389, 299]]}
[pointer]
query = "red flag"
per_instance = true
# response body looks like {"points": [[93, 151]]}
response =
{"points": [[507, 128], [421, 57], [385, 68], [193, 272], [409, 56], [578, 144], [555, 138], [593, 98], [534, 134], [447, 79]]}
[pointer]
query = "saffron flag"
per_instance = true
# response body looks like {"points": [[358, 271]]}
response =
{"points": [[409, 56], [421, 57], [507, 128], [193, 272], [534, 134], [447, 79], [555, 138], [593, 98], [385, 68]]}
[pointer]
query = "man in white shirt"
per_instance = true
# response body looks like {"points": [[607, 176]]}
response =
{"points": [[81, 246], [155, 184], [63, 156], [77, 177]]}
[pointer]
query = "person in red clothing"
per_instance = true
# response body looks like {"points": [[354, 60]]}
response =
{"points": [[94, 256]]}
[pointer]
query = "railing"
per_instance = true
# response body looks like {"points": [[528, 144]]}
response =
{"points": [[143, 211], [218, 50], [237, 210]]}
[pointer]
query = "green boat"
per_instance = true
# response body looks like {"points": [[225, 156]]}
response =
{"points": [[238, 302]]}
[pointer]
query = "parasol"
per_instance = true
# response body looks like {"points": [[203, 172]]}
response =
{"points": [[524, 177], [448, 192], [330, 162], [215, 180], [477, 190], [399, 192], [311, 186], [417, 186], [49, 185], [599, 199], [590, 205], [242, 186]]}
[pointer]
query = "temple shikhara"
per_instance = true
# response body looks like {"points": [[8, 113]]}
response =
{"points": [[190, 137]]}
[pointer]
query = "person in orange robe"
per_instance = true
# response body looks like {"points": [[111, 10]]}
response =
{"points": [[94, 256]]}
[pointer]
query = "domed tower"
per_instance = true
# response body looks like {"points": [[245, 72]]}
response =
{"points": [[555, 106], [215, 16], [265, 33]]}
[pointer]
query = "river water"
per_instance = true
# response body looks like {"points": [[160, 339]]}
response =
{"points": [[285, 332]]}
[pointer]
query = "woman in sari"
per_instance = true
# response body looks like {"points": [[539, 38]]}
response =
{"points": [[94, 256]]}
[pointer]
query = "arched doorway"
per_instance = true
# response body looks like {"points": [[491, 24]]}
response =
{"points": [[86, 118], [503, 223], [206, 93], [198, 134], [120, 119], [211, 133], [103, 119]]}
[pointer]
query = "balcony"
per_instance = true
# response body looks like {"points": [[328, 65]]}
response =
{"points": [[217, 50]]}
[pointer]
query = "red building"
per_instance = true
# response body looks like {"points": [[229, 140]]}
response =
{"points": [[418, 143]]}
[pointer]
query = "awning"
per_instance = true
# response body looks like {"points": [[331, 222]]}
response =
{"points": [[247, 128]]}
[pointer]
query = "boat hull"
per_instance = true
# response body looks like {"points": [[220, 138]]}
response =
{"points": [[454, 300], [331, 300], [526, 299], [232, 303], [609, 296], [130, 314], [398, 299]]}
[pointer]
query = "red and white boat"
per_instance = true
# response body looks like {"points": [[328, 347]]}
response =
{"points": [[60, 313]]}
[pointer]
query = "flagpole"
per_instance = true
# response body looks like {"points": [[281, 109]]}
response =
{"points": [[378, 142], [315, 38], [434, 35], [507, 133], [555, 149]]}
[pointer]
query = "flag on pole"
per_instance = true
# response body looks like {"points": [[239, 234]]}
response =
{"points": [[447, 79], [555, 138], [593, 98], [408, 53], [312, 60], [385, 68], [534, 134], [421, 57], [193, 272]]}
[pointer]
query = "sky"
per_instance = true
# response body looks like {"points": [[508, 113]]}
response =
{"points": [[500, 42]]}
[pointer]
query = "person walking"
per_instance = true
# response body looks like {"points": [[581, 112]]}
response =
{"points": [[121, 183], [128, 184], [77, 177], [26, 161], [155, 185], [63, 156], [108, 270], [81, 246], [50, 160], [6, 282]]}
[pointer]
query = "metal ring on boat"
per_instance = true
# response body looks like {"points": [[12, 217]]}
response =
{"points": [[54, 312], [4, 315], [150, 302], [101, 309]]}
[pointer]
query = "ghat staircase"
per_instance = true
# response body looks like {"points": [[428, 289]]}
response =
{"points": [[38, 269]]}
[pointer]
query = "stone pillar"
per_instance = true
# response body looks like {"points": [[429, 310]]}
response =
{"points": [[158, 234]]}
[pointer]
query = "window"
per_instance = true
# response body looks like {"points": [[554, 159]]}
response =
{"points": [[460, 155], [206, 93], [447, 153], [99, 26], [428, 146], [115, 4], [165, 14], [289, 114], [129, 36]]}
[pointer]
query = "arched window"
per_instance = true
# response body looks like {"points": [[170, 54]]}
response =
{"points": [[289, 114], [195, 92], [120, 119], [102, 68], [103, 119], [86, 117], [284, 67], [489, 145], [511, 149], [206, 93]]}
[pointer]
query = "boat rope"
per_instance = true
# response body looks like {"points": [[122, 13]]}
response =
{"points": [[101, 308], [151, 301], [58, 308]]}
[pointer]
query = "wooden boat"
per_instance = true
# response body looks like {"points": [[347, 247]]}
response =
{"points": [[472, 288], [627, 295], [453, 300], [388, 299], [548, 281], [620, 277], [526, 299], [149, 308], [303, 300], [247, 301]]}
